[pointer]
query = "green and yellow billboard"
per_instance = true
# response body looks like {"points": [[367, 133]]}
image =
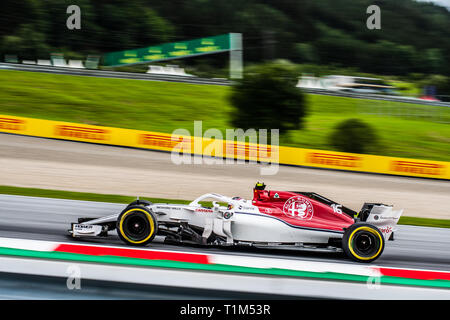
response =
{"points": [[169, 51]]}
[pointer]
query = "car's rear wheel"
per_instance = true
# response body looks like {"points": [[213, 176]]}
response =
{"points": [[137, 225], [363, 242]]}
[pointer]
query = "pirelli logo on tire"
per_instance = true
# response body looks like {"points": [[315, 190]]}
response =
{"points": [[329, 159], [79, 132], [12, 124], [421, 168]]}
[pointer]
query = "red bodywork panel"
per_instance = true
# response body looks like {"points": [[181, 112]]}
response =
{"points": [[300, 210]]}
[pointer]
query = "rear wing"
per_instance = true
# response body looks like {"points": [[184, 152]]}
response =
{"points": [[384, 218]]}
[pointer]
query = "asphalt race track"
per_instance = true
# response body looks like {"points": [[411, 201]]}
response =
{"points": [[74, 166], [49, 219]]}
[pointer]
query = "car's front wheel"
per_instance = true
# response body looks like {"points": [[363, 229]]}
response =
{"points": [[363, 242], [137, 225]]}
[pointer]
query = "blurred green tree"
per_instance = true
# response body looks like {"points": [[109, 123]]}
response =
{"points": [[306, 53], [355, 136], [433, 61], [267, 98], [27, 43]]}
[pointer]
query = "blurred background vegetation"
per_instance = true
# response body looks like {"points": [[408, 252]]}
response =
{"points": [[414, 37], [319, 37]]}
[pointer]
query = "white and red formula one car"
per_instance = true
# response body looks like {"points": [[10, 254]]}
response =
{"points": [[272, 219]]}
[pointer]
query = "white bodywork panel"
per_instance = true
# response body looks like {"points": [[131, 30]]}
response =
{"points": [[385, 219], [86, 229], [265, 228], [246, 223]]}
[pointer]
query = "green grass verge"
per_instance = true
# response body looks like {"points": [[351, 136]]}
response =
{"points": [[405, 130], [84, 196], [426, 222], [59, 194]]}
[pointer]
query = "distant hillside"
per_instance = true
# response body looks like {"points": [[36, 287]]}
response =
{"points": [[414, 35]]}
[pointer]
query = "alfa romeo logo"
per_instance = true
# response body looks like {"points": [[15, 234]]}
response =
{"points": [[299, 208]]}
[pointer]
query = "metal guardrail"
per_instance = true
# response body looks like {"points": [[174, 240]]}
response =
{"points": [[198, 80], [112, 74]]}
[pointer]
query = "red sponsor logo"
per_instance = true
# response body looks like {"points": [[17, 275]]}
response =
{"points": [[240, 149], [417, 167], [155, 140], [386, 229], [12, 124], [334, 160], [265, 210], [203, 210], [82, 133]]}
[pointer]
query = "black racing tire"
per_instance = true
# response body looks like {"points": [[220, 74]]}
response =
{"points": [[363, 242], [137, 225]]}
